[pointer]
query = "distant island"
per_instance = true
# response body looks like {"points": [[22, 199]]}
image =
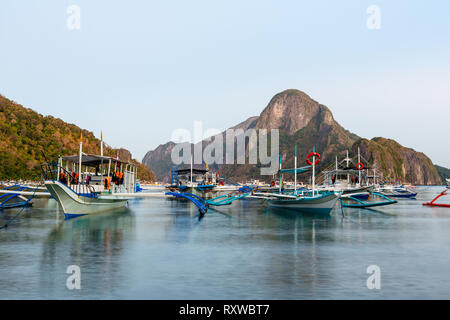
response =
{"points": [[307, 123]]}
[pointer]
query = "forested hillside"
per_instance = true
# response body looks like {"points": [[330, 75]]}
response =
{"points": [[26, 135]]}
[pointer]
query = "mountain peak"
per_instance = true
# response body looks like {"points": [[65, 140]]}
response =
{"points": [[305, 122], [292, 110]]}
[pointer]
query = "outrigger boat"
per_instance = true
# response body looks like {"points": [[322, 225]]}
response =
{"points": [[358, 203], [301, 201], [20, 196], [11, 198], [396, 192], [443, 193], [189, 185], [187, 180], [349, 180], [86, 184]]}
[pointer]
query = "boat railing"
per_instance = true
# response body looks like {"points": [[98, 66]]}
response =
{"points": [[55, 172]]}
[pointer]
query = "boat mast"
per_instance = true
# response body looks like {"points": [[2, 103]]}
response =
{"points": [[80, 157], [280, 172], [374, 174], [314, 172], [367, 174], [348, 177], [337, 168], [191, 170], [109, 167], [59, 170], [359, 160], [295, 170], [101, 153], [101, 143]]}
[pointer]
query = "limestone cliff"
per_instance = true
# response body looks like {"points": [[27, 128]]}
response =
{"points": [[306, 123], [397, 162]]}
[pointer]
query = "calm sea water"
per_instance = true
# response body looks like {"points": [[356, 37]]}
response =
{"points": [[158, 249]]}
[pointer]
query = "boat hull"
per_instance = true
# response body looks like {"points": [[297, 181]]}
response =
{"points": [[360, 190], [77, 205], [316, 205], [399, 195]]}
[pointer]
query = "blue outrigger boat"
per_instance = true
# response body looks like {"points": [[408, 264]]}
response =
{"points": [[397, 192], [13, 197], [358, 203], [182, 180], [203, 205], [301, 201]]}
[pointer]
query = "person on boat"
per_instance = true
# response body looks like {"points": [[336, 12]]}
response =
{"points": [[73, 177], [114, 177], [63, 177], [333, 179], [107, 183]]}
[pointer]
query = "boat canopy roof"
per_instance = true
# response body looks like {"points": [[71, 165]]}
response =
{"points": [[299, 170], [194, 171], [91, 160]]}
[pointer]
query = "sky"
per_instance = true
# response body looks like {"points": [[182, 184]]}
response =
{"points": [[138, 70]]}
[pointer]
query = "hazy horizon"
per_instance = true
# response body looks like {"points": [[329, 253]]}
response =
{"points": [[139, 70]]}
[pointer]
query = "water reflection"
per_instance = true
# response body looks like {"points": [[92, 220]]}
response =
{"points": [[159, 249], [93, 242]]}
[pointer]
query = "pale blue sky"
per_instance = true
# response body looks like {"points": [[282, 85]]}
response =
{"points": [[160, 65]]}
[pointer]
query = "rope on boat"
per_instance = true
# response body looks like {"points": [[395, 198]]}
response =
{"points": [[21, 210]]}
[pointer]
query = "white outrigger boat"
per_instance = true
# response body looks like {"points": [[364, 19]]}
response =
{"points": [[314, 203], [301, 201], [87, 192], [349, 179], [86, 184]]}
